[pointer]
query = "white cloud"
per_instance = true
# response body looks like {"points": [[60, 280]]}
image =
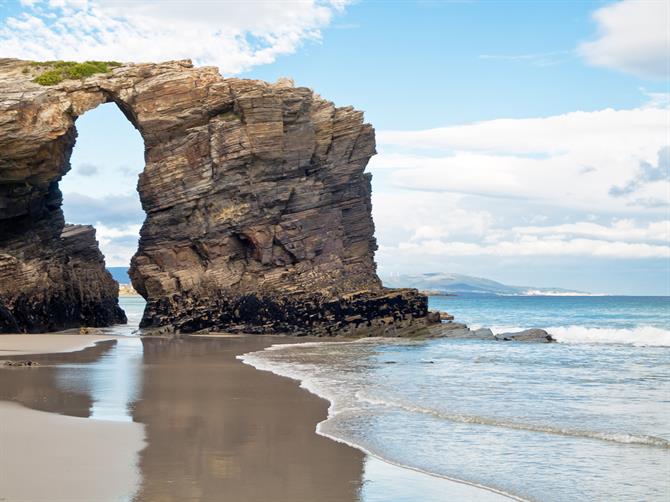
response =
{"points": [[633, 37], [405, 215], [534, 246], [118, 244], [513, 189], [232, 35], [625, 229], [570, 161], [643, 128]]}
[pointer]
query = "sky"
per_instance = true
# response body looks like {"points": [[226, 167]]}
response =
{"points": [[522, 141]]}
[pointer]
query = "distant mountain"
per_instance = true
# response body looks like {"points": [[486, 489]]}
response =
{"points": [[120, 274], [438, 282], [464, 284]]}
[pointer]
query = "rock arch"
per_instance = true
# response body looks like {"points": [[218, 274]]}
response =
{"points": [[258, 207]]}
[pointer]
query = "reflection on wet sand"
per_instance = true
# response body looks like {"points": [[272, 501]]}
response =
{"points": [[40, 387], [216, 429], [220, 430], [50, 456]]}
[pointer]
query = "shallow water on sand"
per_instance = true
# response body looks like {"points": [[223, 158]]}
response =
{"points": [[585, 419], [215, 429]]}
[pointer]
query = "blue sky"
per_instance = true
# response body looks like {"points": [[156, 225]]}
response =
{"points": [[522, 141]]}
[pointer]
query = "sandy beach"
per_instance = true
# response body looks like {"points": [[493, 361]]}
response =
{"points": [[196, 424], [16, 345]]}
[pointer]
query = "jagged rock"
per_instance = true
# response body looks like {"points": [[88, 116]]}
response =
{"points": [[258, 208], [444, 316], [528, 335], [459, 330], [434, 316], [127, 290]]}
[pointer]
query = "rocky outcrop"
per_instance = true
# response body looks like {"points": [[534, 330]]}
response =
{"points": [[55, 283], [527, 335], [258, 208], [461, 331]]}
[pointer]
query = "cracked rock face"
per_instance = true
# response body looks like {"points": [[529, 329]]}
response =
{"points": [[258, 213]]}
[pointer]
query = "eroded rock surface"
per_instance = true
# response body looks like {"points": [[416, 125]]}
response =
{"points": [[459, 330], [258, 207]]}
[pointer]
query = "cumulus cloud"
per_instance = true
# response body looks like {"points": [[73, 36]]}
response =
{"points": [[535, 246], [118, 244], [624, 229], [234, 36], [569, 160], [114, 210], [647, 173], [512, 189], [633, 37]]}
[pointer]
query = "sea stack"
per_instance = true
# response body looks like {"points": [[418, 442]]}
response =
{"points": [[258, 212]]}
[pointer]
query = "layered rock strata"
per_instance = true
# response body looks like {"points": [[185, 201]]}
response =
{"points": [[258, 208]]}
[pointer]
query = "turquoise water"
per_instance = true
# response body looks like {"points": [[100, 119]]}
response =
{"points": [[584, 419], [611, 316]]}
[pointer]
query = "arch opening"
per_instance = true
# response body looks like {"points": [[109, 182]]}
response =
{"points": [[100, 187]]}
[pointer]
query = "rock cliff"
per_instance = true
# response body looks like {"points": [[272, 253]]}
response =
{"points": [[258, 213]]}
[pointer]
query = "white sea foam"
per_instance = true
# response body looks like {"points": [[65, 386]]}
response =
{"points": [[547, 292], [339, 403], [640, 336], [338, 373]]}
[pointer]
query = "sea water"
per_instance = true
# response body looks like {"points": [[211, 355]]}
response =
{"points": [[587, 418]]}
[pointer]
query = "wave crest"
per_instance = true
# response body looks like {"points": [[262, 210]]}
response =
{"points": [[640, 336]]}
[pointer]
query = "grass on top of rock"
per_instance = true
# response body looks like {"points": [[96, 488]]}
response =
{"points": [[57, 71]]}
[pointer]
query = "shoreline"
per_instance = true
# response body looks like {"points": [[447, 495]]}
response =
{"points": [[470, 490]]}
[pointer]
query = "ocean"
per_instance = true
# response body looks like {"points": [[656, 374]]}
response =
{"points": [[587, 418]]}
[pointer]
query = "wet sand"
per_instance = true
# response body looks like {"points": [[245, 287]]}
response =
{"points": [[215, 428], [220, 430], [53, 457]]}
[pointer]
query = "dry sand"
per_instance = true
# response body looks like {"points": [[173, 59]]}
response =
{"points": [[14, 345]]}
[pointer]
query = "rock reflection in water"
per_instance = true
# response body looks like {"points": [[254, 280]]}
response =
{"points": [[220, 430]]}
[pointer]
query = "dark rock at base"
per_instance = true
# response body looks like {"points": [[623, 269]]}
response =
{"points": [[392, 313], [528, 335], [20, 364]]}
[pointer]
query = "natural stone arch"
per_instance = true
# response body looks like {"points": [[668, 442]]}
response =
{"points": [[258, 207]]}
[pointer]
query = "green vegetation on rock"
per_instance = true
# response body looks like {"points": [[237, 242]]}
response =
{"points": [[57, 71]]}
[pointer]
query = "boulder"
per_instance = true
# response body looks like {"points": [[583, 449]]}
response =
{"points": [[528, 335]]}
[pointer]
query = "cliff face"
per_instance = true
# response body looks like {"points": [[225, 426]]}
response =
{"points": [[258, 207]]}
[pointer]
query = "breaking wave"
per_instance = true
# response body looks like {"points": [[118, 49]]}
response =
{"points": [[640, 336]]}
